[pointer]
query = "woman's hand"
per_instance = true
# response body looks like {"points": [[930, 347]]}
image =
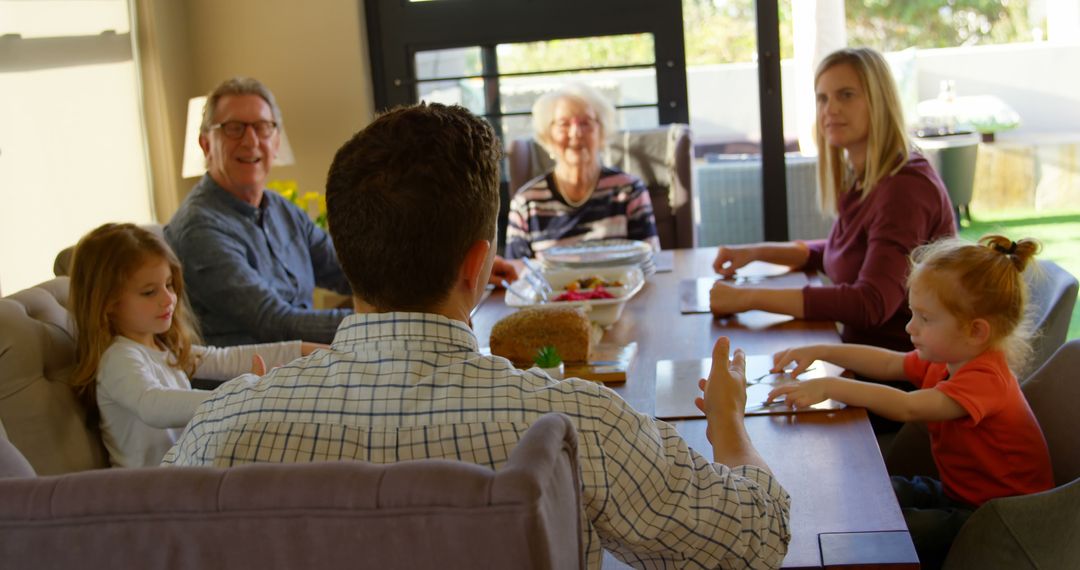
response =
{"points": [[802, 356], [729, 258], [800, 394], [727, 299]]}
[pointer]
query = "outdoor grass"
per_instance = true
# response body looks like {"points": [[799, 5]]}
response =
{"points": [[1059, 233]]}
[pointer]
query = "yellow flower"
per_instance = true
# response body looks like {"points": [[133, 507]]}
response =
{"points": [[313, 203]]}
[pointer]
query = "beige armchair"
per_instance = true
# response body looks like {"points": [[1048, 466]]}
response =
{"points": [[38, 409]]}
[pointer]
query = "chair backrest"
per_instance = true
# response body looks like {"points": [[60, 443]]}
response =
{"points": [[1052, 293], [39, 411], [1030, 531], [660, 157], [1052, 392], [62, 261], [413, 514], [1040, 530]]}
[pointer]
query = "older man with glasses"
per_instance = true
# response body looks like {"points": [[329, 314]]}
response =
{"points": [[251, 259]]}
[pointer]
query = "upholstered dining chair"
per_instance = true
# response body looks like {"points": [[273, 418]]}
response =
{"points": [[62, 261], [1052, 292], [39, 410], [426, 514], [1040, 530], [660, 157]]}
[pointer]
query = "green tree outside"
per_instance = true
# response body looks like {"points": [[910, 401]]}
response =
{"points": [[724, 31]]}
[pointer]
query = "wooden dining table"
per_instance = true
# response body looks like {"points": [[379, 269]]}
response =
{"points": [[843, 510]]}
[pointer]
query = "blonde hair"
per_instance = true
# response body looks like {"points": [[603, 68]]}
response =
{"points": [[888, 145], [543, 111], [104, 261], [982, 280]]}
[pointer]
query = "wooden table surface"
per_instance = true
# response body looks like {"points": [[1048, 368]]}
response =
{"points": [[829, 462]]}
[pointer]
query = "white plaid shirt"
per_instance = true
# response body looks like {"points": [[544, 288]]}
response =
{"points": [[399, 386]]}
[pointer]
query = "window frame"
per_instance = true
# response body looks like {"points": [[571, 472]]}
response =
{"points": [[447, 24], [398, 29]]}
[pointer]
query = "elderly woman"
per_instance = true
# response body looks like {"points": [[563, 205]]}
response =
{"points": [[886, 198], [579, 199]]}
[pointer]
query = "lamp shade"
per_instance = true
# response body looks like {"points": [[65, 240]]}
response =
{"points": [[194, 161]]}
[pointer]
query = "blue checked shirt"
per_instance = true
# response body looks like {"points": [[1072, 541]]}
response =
{"points": [[400, 386]]}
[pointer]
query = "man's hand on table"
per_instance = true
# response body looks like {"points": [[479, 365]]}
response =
{"points": [[723, 401]]}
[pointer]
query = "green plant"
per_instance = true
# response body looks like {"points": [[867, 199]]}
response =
{"points": [[548, 357]]}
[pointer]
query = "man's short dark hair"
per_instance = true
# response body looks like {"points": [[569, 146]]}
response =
{"points": [[406, 197]]}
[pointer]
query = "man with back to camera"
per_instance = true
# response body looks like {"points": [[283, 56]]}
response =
{"points": [[415, 196], [251, 258]]}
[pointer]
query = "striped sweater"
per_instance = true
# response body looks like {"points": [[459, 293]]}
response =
{"points": [[541, 218]]}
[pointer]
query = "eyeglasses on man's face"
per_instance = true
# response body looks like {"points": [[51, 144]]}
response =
{"points": [[584, 124], [236, 129]]}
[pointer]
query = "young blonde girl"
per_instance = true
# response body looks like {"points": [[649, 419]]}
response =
{"points": [[968, 327], [135, 355]]}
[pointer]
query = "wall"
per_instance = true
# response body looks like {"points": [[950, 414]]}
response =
{"points": [[164, 61], [312, 55], [1037, 80]]}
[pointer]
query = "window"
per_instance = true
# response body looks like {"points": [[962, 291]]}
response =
{"points": [[619, 67], [494, 56], [72, 144]]}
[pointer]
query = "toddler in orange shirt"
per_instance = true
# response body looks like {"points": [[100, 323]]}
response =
{"points": [[968, 326]]}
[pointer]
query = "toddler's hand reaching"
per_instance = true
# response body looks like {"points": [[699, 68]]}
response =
{"points": [[801, 394], [802, 356]]}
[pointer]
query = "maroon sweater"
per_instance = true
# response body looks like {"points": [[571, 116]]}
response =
{"points": [[866, 255]]}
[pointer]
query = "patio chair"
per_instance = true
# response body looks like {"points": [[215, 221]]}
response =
{"points": [[660, 157], [1040, 530]]}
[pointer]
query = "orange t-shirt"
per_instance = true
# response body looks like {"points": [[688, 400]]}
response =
{"points": [[998, 450]]}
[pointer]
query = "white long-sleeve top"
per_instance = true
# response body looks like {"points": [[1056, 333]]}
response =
{"points": [[145, 402]]}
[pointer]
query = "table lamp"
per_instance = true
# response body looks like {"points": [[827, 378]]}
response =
{"points": [[194, 161]]}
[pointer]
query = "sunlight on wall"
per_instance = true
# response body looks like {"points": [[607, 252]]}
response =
{"points": [[72, 153]]}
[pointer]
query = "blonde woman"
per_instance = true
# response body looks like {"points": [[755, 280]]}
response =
{"points": [[887, 201], [580, 198]]}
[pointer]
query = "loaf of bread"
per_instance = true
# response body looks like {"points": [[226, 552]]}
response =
{"points": [[518, 337]]}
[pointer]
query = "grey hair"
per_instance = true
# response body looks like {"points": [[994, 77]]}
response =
{"points": [[237, 86], [543, 111]]}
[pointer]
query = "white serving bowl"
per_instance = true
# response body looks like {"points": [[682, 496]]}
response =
{"points": [[603, 312]]}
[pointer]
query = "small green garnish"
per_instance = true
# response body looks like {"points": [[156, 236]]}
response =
{"points": [[547, 357]]}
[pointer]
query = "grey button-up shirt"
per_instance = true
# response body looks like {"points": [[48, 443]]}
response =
{"points": [[250, 272]]}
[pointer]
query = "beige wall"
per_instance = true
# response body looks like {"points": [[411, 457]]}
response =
{"points": [[166, 82], [312, 55]]}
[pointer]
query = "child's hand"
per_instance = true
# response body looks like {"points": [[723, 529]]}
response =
{"points": [[258, 365], [801, 394], [307, 348], [802, 356]]}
